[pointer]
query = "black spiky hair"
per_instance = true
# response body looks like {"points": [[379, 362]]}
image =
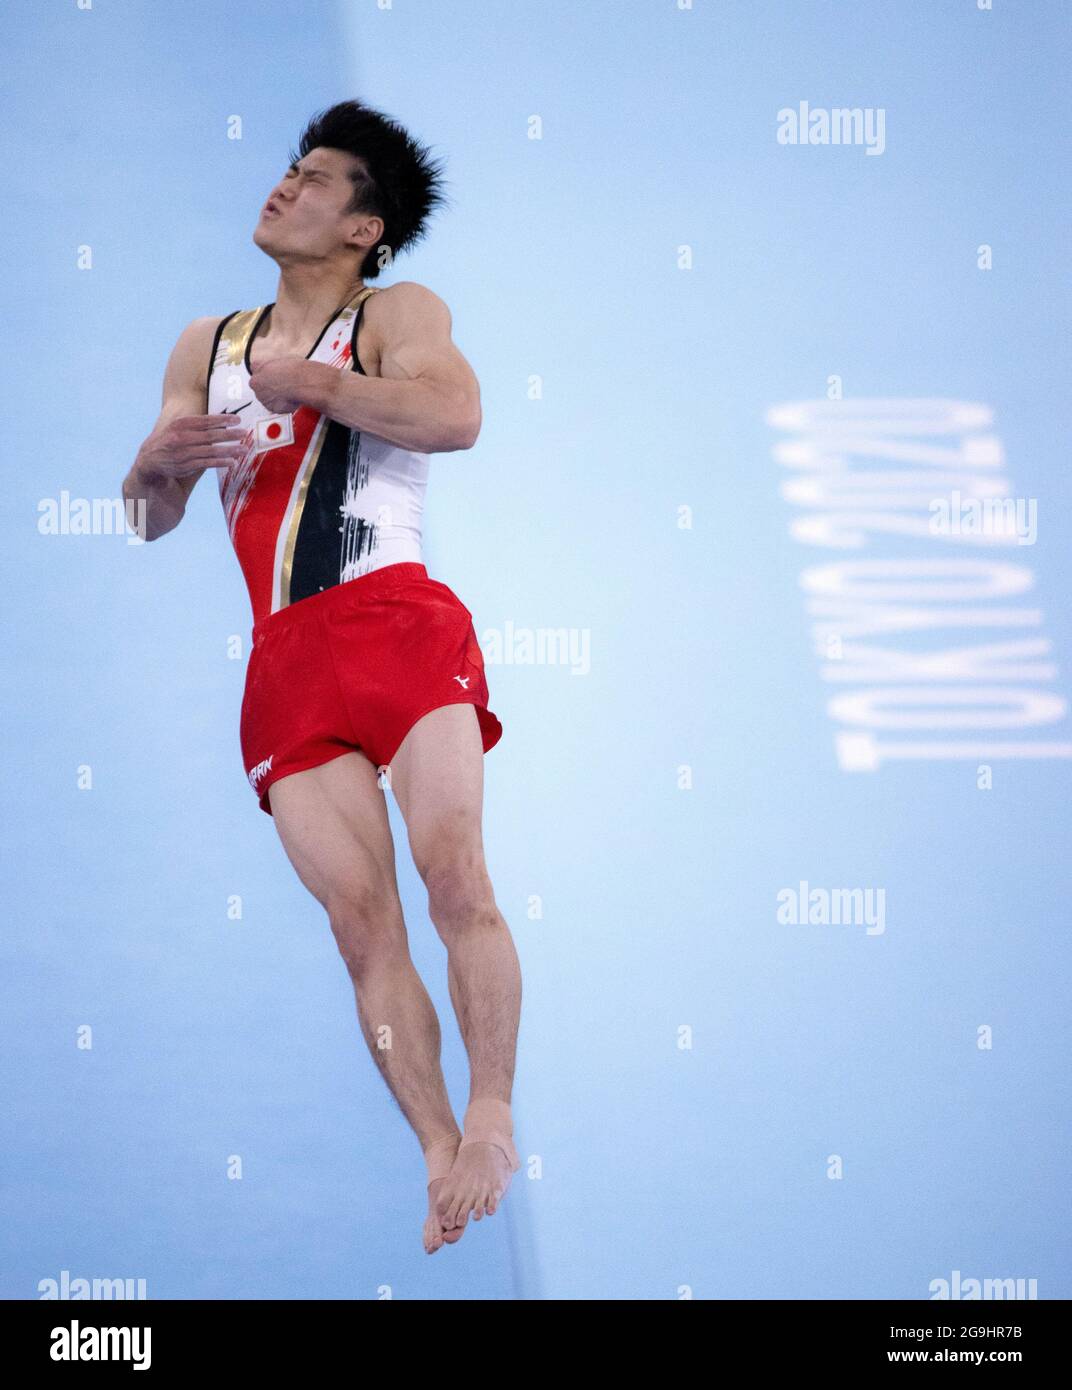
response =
{"points": [[404, 185]]}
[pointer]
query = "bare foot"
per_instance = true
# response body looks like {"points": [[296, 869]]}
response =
{"points": [[434, 1234], [440, 1156], [476, 1184]]}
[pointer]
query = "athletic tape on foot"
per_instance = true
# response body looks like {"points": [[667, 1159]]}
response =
{"points": [[487, 1121], [440, 1155]]}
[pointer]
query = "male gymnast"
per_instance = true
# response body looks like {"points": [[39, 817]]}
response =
{"points": [[319, 412]]}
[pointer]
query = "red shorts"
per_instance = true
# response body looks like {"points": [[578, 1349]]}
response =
{"points": [[356, 666]]}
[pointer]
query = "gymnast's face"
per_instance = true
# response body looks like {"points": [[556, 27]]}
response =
{"points": [[306, 217]]}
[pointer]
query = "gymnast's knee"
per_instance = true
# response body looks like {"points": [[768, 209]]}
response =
{"points": [[460, 896], [368, 929]]}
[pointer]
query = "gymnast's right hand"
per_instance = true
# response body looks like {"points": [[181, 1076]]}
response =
{"points": [[190, 444]]}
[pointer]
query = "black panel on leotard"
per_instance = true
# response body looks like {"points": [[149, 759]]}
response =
{"points": [[328, 546]]}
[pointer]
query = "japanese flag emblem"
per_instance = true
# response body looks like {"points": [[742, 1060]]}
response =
{"points": [[273, 431]]}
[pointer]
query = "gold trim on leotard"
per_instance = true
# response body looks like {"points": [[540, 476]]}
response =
{"points": [[236, 335]]}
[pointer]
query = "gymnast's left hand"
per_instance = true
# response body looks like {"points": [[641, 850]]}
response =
{"points": [[284, 384]]}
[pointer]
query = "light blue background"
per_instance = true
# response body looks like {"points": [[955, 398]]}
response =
{"points": [[658, 1167]]}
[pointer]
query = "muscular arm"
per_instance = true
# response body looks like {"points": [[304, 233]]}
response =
{"points": [[184, 441], [427, 397]]}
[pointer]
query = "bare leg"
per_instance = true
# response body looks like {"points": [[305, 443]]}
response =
{"points": [[437, 777], [333, 823]]}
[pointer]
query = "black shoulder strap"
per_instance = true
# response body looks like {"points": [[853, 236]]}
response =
{"points": [[360, 300], [215, 349]]}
